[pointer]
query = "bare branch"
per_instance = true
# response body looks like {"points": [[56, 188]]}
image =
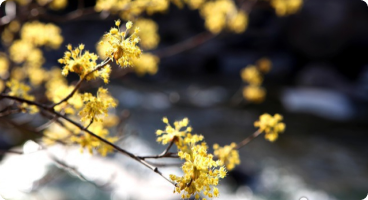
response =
{"points": [[190, 43], [123, 151], [248, 139]]}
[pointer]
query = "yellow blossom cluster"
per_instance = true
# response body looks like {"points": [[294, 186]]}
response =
{"points": [[148, 33], [286, 7], [40, 34], [272, 126], [175, 133], [26, 50], [253, 75], [52, 4], [120, 47], [201, 171], [21, 90], [95, 107], [82, 64], [195, 4], [146, 64], [220, 14], [128, 9], [228, 155]]}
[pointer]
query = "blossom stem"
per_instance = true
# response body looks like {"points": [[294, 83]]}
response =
{"points": [[248, 139]]}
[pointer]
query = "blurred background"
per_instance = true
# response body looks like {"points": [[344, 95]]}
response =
{"points": [[318, 82]]}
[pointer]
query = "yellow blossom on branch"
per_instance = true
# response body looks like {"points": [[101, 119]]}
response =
{"points": [[19, 51], [195, 4], [178, 132], [96, 106], [83, 64], [286, 7], [272, 126], [148, 33], [255, 94], [40, 34], [146, 64], [251, 75], [228, 155], [201, 173], [121, 47], [54, 4], [220, 14]]}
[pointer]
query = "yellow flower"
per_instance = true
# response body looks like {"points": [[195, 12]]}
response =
{"points": [[286, 7], [272, 126], [178, 132], [122, 48], [54, 4], [251, 75], [239, 22], [201, 173], [254, 94], [96, 107], [147, 63], [148, 33], [220, 14], [83, 64], [19, 50], [195, 4], [40, 34], [228, 155]]}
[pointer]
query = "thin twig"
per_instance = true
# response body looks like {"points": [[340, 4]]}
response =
{"points": [[190, 43], [165, 164], [164, 154], [9, 112], [45, 125], [89, 124], [248, 139]]}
